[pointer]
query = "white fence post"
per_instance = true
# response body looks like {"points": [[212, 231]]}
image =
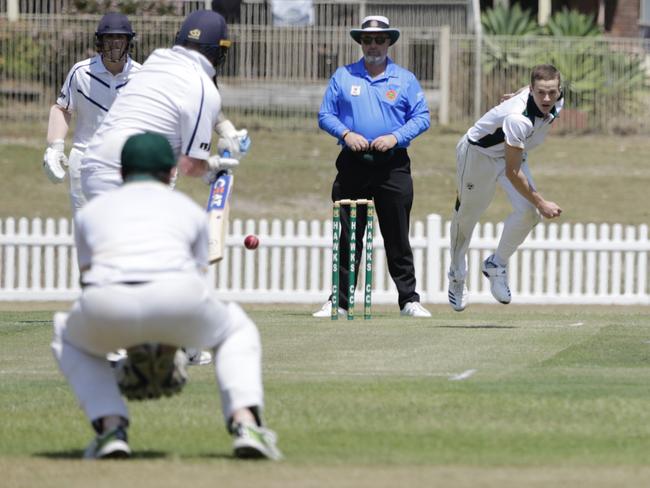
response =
{"points": [[642, 270], [37, 233], [9, 254], [433, 284], [23, 233]]}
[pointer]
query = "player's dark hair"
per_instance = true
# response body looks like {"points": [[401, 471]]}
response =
{"points": [[545, 72]]}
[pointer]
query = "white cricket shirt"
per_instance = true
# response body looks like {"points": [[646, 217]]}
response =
{"points": [[90, 90], [139, 232], [172, 95], [517, 121]]}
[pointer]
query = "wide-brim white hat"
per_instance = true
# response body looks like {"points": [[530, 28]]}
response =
{"points": [[373, 24]]}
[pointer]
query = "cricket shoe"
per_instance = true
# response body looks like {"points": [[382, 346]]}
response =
{"points": [[109, 445], [116, 356], [196, 357], [326, 311], [414, 309], [254, 442], [457, 294], [498, 276]]}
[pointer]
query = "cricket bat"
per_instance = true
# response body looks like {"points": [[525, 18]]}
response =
{"points": [[218, 208]]}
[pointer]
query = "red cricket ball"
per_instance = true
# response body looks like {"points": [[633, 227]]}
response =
{"points": [[251, 242]]}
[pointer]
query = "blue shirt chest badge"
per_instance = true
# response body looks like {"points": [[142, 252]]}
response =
{"points": [[355, 90]]}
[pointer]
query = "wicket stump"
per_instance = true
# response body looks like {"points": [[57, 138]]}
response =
{"points": [[336, 264]]}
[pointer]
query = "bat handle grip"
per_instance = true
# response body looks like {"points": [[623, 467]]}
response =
{"points": [[226, 154]]}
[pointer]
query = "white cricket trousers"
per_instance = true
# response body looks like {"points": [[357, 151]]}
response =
{"points": [[476, 178], [77, 199], [95, 181], [181, 312]]}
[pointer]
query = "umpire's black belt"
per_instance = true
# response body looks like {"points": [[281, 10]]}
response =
{"points": [[375, 157]]}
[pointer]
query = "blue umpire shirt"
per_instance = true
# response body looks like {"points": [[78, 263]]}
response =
{"points": [[392, 103]]}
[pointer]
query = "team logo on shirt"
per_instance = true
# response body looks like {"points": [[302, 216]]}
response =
{"points": [[194, 34], [355, 90], [391, 94]]}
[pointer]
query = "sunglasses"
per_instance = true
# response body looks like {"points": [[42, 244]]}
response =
{"points": [[379, 40]]}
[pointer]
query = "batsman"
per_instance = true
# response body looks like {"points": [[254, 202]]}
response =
{"points": [[175, 94], [143, 255]]}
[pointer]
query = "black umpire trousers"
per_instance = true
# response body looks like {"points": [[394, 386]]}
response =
{"points": [[385, 177]]}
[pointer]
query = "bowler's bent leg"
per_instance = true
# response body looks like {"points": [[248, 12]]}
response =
{"points": [[520, 222]]}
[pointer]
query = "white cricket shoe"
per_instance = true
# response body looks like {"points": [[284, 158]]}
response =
{"points": [[498, 276], [414, 309], [458, 296], [326, 311], [254, 442], [109, 445], [116, 356], [196, 357]]}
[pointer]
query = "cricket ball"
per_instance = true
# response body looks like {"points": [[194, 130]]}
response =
{"points": [[251, 242]]}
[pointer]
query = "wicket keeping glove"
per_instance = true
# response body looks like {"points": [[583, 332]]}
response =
{"points": [[150, 371], [54, 160]]}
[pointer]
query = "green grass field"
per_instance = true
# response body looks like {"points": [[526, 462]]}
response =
{"points": [[543, 396], [496, 396]]}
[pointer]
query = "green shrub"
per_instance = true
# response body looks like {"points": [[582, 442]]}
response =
{"points": [[25, 60], [502, 21], [596, 78], [571, 23]]}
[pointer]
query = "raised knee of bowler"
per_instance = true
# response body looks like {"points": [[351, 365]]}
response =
{"points": [[527, 217]]}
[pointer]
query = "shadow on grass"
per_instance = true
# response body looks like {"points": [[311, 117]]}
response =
{"points": [[78, 454], [479, 326], [217, 455]]}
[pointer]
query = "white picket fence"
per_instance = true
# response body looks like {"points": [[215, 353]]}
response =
{"points": [[578, 264]]}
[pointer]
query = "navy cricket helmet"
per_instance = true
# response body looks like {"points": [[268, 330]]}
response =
{"points": [[113, 23], [206, 32]]}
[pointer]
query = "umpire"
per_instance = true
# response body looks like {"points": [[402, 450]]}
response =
{"points": [[375, 108]]}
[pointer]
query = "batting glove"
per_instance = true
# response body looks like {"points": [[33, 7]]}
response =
{"points": [[54, 160], [236, 142], [216, 164], [220, 163], [237, 146]]}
